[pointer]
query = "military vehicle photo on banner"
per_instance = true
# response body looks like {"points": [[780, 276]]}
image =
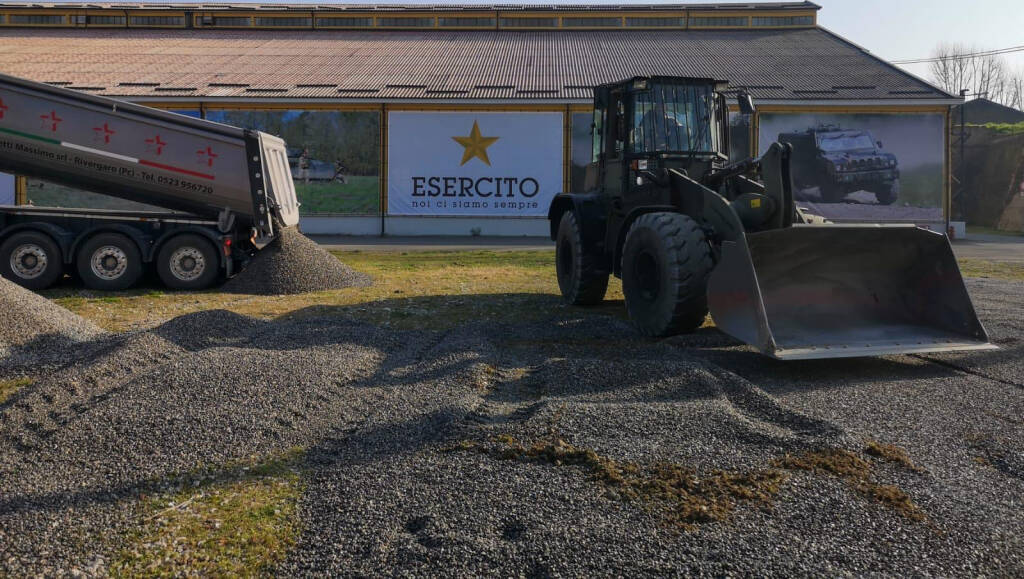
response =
{"points": [[864, 167], [333, 155], [503, 164]]}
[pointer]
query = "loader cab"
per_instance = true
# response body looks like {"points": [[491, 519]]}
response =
{"points": [[650, 124]]}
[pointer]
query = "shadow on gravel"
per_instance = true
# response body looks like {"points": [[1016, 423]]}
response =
{"points": [[373, 444], [800, 375]]}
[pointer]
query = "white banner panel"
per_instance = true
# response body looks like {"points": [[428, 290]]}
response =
{"points": [[505, 164]]}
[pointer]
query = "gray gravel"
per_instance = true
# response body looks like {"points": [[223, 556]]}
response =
{"points": [[294, 264], [29, 318], [381, 409]]}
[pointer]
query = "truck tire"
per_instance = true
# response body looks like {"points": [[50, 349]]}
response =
{"points": [[109, 261], [31, 259], [187, 262], [889, 195], [579, 276], [666, 261]]}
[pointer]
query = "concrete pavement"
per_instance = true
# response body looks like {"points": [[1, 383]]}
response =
{"points": [[1005, 248]]}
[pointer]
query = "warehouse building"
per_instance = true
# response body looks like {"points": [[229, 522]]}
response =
{"points": [[444, 119]]}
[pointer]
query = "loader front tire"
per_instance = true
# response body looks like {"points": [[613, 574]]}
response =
{"points": [[666, 261], [580, 278]]}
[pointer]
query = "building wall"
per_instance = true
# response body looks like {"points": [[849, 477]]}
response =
{"points": [[343, 181]]}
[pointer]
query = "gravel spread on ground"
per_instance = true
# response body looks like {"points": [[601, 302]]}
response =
{"points": [[487, 449], [294, 264]]}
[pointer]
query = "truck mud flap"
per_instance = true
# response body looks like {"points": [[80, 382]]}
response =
{"points": [[835, 291]]}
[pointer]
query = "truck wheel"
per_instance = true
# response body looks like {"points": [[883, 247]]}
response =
{"points": [[187, 262], [579, 278], [31, 260], [109, 261], [666, 261], [889, 195]]}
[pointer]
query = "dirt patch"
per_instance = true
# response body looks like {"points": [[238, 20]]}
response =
{"points": [[673, 490], [891, 453], [294, 264], [858, 473]]}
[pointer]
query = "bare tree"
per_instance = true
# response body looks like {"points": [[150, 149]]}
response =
{"points": [[959, 66], [950, 69], [1015, 90], [989, 75]]}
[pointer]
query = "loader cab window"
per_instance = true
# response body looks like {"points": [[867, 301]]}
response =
{"points": [[618, 129], [673, 119]]}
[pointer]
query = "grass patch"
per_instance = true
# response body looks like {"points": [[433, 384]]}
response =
{"points": [[991, 269], [1004, 128], [360, 196], [9, 387], [238, 521], [857, 472], [412, 290], [677, 492]]}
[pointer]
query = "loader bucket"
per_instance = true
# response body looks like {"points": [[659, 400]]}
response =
{"points": [[835, 291]]}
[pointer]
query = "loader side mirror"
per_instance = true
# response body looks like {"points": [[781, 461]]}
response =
{"points": [[746, 103]]}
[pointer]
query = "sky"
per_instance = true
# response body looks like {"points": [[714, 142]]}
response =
{"points": [[908, 29]]}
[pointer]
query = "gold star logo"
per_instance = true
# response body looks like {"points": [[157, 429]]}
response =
{"points": [[476, 145]]}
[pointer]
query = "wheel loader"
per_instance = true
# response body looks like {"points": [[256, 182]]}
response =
{"points": [[688, 232]]}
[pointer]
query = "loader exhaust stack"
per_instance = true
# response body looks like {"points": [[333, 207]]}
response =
{"points": [[835, 291]]}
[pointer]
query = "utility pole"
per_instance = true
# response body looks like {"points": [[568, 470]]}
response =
{"points": [[961, 180]]}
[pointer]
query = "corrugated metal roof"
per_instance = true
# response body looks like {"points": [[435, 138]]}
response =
{"points": [[243, 6], [796, 64]]}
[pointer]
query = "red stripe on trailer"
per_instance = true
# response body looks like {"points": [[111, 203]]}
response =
{"points": [[176, 169]]}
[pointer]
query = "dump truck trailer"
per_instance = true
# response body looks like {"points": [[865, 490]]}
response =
{"points": [[690, 234], [226, 190]]}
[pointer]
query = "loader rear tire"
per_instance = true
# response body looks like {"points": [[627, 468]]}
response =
{"points": [[666, 261], [580, 278]]}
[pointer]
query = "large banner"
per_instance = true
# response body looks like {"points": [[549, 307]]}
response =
{"points": [[334, 155], [864, 167], [473, 163]]}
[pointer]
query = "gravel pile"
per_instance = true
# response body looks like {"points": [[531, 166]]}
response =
{"points": [[294, 264], [31, 318], [409, 472]]}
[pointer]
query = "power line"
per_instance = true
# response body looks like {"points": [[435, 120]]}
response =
{"points": [[961, 56]]}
